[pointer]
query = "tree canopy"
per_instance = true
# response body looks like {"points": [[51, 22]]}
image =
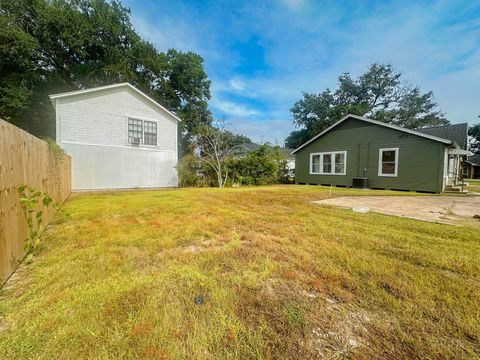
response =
{"points": [[380, 93], [474, 133], [51, 46]]}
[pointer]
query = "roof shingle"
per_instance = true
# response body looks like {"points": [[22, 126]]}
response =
{"points": [[455, 132]]}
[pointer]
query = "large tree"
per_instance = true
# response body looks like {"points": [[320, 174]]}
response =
{"points": [[50, 46], [380, 93]]}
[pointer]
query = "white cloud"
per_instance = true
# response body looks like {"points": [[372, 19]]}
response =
{"points": [[237, 84], [231, 109], [272, 131]]}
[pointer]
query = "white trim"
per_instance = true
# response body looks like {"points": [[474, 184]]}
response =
{"points": [[58, 134], [310, 164], [380, 153], [332, 153], [176, 144], [112, 86], [413, 132]]}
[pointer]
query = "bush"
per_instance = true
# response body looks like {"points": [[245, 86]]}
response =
{"points": [[192, 172], [262, 166]]}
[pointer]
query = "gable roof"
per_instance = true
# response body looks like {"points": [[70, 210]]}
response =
{"points": [[455, 132], [113, 86], [361, 118]]}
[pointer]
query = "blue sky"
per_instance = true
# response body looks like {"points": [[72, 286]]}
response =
{"points": [[260, 55]]}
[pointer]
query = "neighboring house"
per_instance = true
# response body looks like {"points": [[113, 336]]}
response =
{"points": [[383, 155], [471, 167], [118, 137]]}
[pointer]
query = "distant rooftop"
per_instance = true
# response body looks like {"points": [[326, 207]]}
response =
{"points": [[474, 159], [253, 146], [455, 132]]}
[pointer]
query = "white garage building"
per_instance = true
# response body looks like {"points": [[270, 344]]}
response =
{"points": [[118, 138]]}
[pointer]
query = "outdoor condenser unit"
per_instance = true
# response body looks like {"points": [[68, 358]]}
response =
{"points": [[360, 182]]}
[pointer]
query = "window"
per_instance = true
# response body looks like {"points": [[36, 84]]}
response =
{"points": [[388, 162], [142, 132], [328, 163], [150, 135], [135, 130], [315, 164]]}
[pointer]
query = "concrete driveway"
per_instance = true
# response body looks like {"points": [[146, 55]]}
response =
{"points": [[445, 209]]}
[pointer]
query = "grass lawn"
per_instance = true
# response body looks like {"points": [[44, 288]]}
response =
{"points": [[473, 185], [117, 276]]}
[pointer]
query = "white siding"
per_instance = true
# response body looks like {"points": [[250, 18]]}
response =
{"points": [[106, 167], [92, 128]]}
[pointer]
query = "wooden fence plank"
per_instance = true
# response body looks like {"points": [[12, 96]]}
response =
{"points": [[25, 159]]}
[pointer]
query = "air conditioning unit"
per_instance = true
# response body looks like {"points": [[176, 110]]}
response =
{"points": [[136, 141], [359, 182]]}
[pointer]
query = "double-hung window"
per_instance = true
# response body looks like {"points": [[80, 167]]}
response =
{"points": [[142, 132], [388, 162], [150, 133], [328, 163]]}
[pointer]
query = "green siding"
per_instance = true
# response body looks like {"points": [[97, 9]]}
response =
{"points": [[420, 162]]}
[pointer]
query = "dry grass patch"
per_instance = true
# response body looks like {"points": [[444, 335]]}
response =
{"points": [[277, 277]]}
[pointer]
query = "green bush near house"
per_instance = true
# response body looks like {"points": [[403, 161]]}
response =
{"points": [[262, 166]]}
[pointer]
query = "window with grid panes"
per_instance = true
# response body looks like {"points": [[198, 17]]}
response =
{"points": [[150, 133], [135, 130]]}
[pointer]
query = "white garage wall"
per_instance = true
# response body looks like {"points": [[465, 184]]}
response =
{"points": [[93, 129], [108, 167]]}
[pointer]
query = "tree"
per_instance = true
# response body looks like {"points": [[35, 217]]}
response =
{"points": [[380, 93], [296, 138], [214, 144], [474, 133], [51, 46], [238, 139]]}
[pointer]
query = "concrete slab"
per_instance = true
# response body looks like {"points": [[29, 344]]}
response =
{"points": [[444, 209]]}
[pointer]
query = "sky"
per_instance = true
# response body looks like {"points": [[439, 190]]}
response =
{"points": [[261, 55]]}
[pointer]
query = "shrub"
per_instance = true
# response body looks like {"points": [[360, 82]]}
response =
{"points": [[262, 166], [193, 173]]}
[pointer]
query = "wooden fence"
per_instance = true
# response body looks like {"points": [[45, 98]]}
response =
{"points": [[25, 159]]}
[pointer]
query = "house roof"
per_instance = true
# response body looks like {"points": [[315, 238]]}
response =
{"points": [[113, 86], [474, 159], [455, 132], [361, 118]]}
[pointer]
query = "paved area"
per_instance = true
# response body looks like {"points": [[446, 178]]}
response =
{"points": [[444, 209]]}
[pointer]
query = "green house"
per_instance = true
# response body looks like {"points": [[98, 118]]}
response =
{"points": [[361, 152]]}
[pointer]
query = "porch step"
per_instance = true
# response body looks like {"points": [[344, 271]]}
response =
{"points": [[458, 192], [453, 188]]}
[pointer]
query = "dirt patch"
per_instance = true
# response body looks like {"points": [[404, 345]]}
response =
{"points": [[443, 209]]}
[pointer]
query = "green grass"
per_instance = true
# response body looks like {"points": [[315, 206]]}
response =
{"points": [[281, 278], [473, 185]]}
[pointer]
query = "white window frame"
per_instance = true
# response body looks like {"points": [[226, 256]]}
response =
{"points": [[142, 119], [332, 153], [380, 156]]}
